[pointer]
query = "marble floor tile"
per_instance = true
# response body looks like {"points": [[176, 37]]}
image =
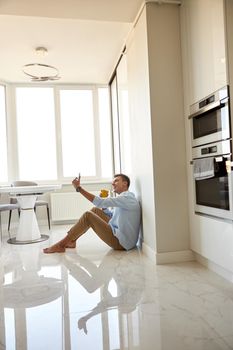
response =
{"points": [[95, 298]]}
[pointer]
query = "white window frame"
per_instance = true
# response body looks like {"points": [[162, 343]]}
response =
{"points": [[94, 90], [13, 168], [7, 152]]}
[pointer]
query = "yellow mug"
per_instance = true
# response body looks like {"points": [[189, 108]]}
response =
{"points": [[104, 193]]}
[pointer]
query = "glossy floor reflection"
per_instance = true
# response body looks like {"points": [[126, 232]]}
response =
{"points": [[94, 298]]}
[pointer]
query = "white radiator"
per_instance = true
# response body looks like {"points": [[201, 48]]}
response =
{"points": [[68, 206]]}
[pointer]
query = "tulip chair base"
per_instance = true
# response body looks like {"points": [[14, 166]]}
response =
{"points": [[28, 229], [15, 241]]}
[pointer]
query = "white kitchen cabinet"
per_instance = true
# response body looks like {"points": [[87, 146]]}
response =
{"points": [[205, 46], [229, 41]]}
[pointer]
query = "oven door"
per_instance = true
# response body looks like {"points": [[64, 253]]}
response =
{"points": [[211, 124], [214, 195]]}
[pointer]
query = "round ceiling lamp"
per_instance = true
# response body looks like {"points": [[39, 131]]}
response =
{"points": [[41, 51], [41, 72]]}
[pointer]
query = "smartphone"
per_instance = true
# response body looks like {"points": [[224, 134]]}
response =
{"points": [[78, 177]]}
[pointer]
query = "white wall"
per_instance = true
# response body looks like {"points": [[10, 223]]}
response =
{"points": [[141, 138], [168, 128], [158, 135]]}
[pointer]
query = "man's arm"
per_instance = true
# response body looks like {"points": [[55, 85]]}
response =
{"points": [[78, 188]]}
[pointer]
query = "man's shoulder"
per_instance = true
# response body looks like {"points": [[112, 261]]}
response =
{"points": [[129, 195]]}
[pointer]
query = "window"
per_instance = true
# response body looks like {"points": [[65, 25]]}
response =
{"points": [[115, 122], [61, 132], [86, 132], [3, 139], [105, 133], [77, 131], [121, 119], [36, 133], [125, 132]]}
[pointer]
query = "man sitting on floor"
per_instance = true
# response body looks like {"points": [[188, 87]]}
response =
{"points": [[118, 227]]}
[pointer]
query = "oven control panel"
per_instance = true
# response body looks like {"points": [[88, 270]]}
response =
{"points": [[212, 150]]}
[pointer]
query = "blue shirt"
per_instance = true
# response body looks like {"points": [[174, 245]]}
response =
{"points": [[125, 217]]}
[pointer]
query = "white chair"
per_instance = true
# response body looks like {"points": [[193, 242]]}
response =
{"points": [[38, 202], [7, 207]]}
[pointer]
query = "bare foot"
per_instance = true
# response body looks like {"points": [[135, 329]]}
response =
{"points": [[71, 244], [56, 248]]}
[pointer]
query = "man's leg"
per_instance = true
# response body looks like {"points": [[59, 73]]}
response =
{"points": [[98, 221], [101, 214], [98, 212], [87, 220]]}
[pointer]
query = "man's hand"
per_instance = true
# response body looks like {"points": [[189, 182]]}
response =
{"points": [[76, 181], [82, 324], [78, 188]]}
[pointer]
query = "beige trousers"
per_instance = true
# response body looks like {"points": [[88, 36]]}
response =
{"points": [[98, 221]]}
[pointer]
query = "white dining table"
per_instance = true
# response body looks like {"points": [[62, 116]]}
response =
{"points": [[28, 229]]}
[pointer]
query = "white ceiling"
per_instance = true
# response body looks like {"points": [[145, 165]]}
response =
{"points": [[84, 38]]}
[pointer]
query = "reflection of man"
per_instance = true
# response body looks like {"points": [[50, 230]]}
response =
{"points": [[129, 286], [119, 227], [125, 302]]}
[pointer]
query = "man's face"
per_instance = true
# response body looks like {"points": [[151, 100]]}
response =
{"points": [[119, 185]]}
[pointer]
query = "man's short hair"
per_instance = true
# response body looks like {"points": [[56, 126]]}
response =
{"points": [[124, 178]]}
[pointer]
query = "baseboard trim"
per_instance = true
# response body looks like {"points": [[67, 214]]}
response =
{"points": [[228, 275], [174, 257], [168, 257], [150, 253], [183, 256]]}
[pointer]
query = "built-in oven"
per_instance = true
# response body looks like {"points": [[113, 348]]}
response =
{"points": [[213, 179], [210, 118], [212, 155]]}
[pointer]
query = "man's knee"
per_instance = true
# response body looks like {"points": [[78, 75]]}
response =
{"points": [[86, 215], [95, 210]]}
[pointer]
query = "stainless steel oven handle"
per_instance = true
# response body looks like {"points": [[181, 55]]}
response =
{"points": [[217, 158], [208, 108]]}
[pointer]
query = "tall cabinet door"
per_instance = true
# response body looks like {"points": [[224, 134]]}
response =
{"points": [[205, 41]]}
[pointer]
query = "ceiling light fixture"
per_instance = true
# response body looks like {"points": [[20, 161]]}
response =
{"points": [[41, 72], [41, 51]]}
